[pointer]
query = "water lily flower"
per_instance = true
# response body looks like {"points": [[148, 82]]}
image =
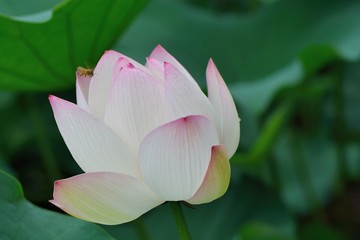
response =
{"points": [[144, 135]]}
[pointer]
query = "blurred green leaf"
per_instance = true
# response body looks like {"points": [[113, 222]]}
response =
{"points": [[351, 90], [315, 57], [307, 170], [256, 96], [346, 124], [268, 135], [319, 230], [6, 99], [19, 144], [245, 201], [14, 124], [41, 51], [4, 164], [261, 231], [21, 7], [265, 46], [20, 219], [352, 164]]}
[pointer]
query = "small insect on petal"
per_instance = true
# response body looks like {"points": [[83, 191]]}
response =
{"points": [[87, 72]]}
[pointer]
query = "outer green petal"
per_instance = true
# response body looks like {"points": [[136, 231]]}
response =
{"points": [[104, 197], [217, 178]]}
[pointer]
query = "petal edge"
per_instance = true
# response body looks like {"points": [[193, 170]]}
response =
{"points": [[94, 146], [103, 197], [228, 122], [217, 178]]}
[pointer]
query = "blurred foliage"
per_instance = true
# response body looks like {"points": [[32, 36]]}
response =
{"points": [[241, 6], [39, 50], [221, 219], [292, 66], [36, 223], [260, 231]]}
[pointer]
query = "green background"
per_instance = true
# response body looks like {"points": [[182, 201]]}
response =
{"points": [[292, 66]]}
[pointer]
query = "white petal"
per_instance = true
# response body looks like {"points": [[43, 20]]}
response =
{"points": [[160, 54], [82, 89], [103, 76], [174, 157], [228, 120], [136, 105], [156, 66], [100, 84], [182, 97], [104, 197], [94, 146], [123, 62], [120, 64]]}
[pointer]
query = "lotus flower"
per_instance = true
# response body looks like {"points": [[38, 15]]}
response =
{"points": [[144, 135]]}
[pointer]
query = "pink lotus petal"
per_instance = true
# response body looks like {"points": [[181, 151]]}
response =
{"points": [[184, 98], [103, 76], [227, 117], [123, 62], [104, 197], [156, 66], [136, 105], [120, 64], [217, 178], [94, 146], [100, 84], [174, 157], [160, 54]]}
